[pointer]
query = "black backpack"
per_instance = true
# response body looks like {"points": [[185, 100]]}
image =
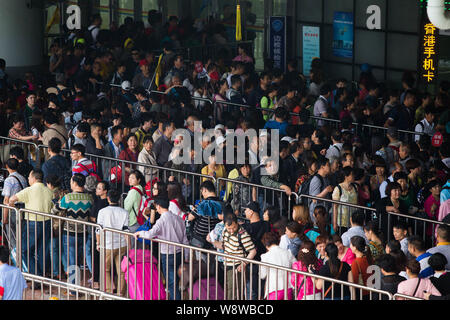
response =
{"points": [[304, 188]]}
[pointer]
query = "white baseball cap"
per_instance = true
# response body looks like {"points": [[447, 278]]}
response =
{"points": [[126, 85], [289, 139]]}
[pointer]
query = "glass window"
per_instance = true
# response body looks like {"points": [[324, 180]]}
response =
{"points": [[279, 7], [309, 10], [103, 9], [402, 51], [403, 15], [332, 5], [126, 9], [369, 47]]}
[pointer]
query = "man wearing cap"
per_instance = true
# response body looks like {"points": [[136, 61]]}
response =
{"points": [[144, 78], [169, 227]]}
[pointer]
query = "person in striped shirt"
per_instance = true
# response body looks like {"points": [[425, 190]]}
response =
{"points": [[81, 164], [236, 242]]}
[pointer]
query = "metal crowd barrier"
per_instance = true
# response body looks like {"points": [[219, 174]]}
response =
{"points": [[46, 249], [9, 232], [259, 193], [31, 149], [146, 272], [58, 290], [191, 180], [208, 51], [419, 226], [203, 276], [399, 296]]}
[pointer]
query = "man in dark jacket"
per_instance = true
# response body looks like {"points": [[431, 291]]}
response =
{"points": [[57, 165], [163, 146]]}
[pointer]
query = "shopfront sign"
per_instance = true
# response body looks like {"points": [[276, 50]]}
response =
{"points": [[311, 47], [278, 41], [429, 53]]}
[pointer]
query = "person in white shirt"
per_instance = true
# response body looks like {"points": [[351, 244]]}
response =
{"points": [[357, 222], [115, 244], [276, 280], [426, 125]]}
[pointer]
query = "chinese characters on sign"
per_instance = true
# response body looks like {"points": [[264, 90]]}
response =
{"points": [[278, 42], [311, 47], [429, 52]]}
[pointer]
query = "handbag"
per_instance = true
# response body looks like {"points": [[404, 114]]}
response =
{"points": [[145, 227]]}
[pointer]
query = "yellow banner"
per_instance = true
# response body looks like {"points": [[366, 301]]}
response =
{"points": [[238, 23]]}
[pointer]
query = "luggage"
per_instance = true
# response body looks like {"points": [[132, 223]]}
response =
{"points": [[141, 263]]}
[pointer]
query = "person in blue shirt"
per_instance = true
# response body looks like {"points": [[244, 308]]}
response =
{"points": [[12, 282], [280, 122]]}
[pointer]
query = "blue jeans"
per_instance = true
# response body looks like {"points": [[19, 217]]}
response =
{"points": [[167, 264], [75, 258], [33, 243]]}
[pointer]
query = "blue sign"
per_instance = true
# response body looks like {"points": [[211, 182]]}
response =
{"points": [[277, 50], [343, 34], [311, 47]]}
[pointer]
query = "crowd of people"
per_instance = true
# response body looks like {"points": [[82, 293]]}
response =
{"points": [[96, 102]]}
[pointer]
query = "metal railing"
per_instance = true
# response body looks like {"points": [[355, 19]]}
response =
{"points": [[202, 276], [144, 271], [204, 52], [419, 226], [31, 149], [51, 289], [255, 192], [399, 296]]}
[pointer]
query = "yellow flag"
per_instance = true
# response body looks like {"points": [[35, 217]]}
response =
{"points": [[55, 19], [158, 71], [238, 24]]}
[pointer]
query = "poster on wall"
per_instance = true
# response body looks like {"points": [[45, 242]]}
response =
{"points": [[343, 34], [311, 47], [277, 50]]}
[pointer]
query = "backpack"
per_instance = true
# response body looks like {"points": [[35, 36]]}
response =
{"points": [[352, 184], [91, 173], [87, 35], [142, 205], [304, 188]]}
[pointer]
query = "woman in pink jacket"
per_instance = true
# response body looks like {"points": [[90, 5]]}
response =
{"points": [[306, 258]]}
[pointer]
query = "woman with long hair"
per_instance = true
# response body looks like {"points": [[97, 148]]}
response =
{"points": [[177, 204], [362, 262], [336, 269], [301, 215], [345, 254], [321, 224], [305, 286], [133, 200], [375, 237]]}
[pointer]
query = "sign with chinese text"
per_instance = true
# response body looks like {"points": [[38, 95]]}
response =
{"points": [[429, 53], [311, 47], [437, 140], [343, 34], [278, 38]]}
